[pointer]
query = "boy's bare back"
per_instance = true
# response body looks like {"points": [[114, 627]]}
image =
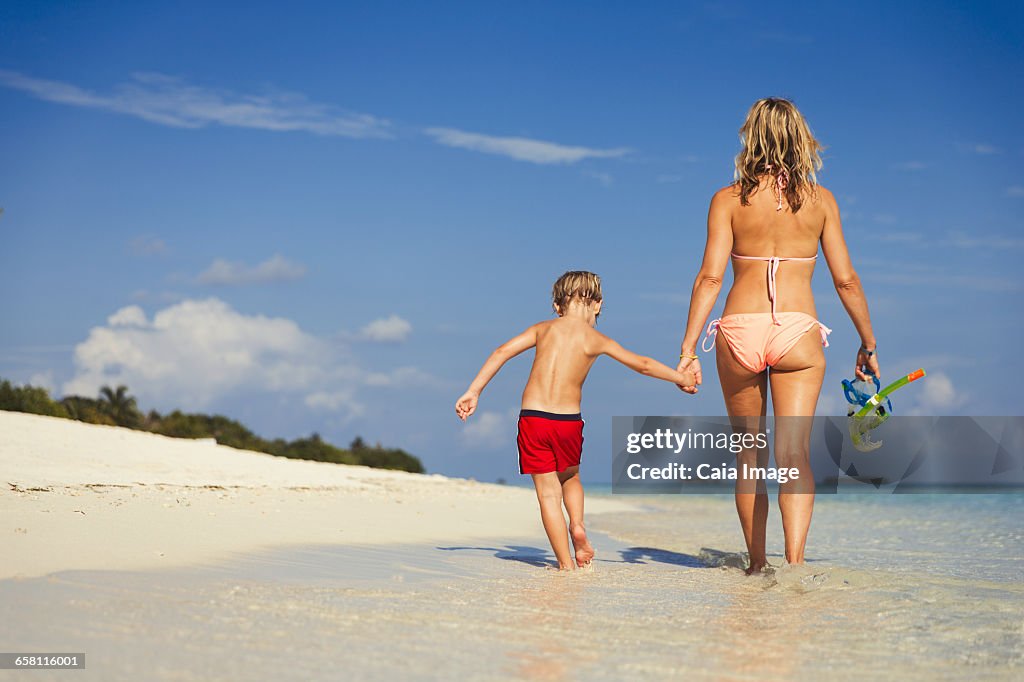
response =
{"points": [[566, 350]]}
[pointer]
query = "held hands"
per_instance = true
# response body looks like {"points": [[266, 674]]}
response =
{"points": [[466, 405], [691, 367], [866, 364]]}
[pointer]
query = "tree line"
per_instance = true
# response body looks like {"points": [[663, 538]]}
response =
{"points": [[116, 407]]}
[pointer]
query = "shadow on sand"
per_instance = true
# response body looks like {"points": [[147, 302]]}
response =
{"points": [[643, 555], [533, 556], [541, 558]]}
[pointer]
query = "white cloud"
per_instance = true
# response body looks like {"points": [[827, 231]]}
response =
{"points": [[335, 401], [43, 380], [276, 269], [938, 396], [1015, 191], [148, 245], [521, 148], [391, 329], [196, 352], [171, 101], [667, 178], [129, 316], [488, 430]]}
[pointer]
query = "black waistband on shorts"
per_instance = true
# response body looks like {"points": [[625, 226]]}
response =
{"points": [[552, 415]]}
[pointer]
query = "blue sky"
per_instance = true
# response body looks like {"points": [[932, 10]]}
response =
{"points": [[323, 216]]}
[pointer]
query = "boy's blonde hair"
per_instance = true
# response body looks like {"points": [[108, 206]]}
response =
{"points": [[575, 284], [777, 141]]}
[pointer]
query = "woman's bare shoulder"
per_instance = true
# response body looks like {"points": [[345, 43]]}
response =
{"points": [[822, 196], [730, 192]]}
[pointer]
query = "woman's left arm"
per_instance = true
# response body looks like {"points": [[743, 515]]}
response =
{"points": [[708, 283]]}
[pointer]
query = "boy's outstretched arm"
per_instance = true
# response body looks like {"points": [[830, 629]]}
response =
{"points": [[644, 365], [466, 405]]}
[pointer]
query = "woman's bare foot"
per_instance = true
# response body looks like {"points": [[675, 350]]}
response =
{"points": [[584, 552], [757, 567]]}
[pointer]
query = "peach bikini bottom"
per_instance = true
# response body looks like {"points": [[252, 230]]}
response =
{"points": [[759, 340]]}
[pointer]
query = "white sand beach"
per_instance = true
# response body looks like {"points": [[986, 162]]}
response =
{"points": [[165, 559], [82, 496]]}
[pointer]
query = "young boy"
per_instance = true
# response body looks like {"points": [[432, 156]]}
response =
{"points": [[550, 427]]}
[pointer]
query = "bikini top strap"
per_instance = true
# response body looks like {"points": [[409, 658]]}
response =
{"points": [[773, 267], [771, 258]]}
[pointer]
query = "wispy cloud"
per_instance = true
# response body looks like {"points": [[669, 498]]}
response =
{"points": [[962, 240], [900, 237], [148, 245], [391, 329], [1015, 191], [981, 148], [668, 178], [605, 179], [226, 273], [170, 101], [521, 148]]}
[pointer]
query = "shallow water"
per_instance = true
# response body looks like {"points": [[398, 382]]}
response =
{"points": [[922, 588]]}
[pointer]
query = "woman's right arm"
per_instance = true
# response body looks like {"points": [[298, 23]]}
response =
{"points": [[848, 286], [709, 279]]}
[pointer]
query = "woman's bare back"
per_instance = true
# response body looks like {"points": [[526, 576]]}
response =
{"points": [[760, 230]]}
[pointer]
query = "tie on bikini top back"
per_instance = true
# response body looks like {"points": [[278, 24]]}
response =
{"points": [[773, 267]]}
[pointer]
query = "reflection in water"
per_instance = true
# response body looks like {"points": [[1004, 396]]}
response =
{"points": [[546, 611]]}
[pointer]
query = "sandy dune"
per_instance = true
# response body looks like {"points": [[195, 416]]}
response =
{"points": [[82, 496]]}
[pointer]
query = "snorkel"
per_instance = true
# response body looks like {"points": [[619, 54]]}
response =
{"points": [[867, 411]]}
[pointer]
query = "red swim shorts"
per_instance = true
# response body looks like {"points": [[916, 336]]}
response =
{"points": [[549, 442]]}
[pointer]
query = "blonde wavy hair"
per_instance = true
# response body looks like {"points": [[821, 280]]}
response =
{"points": [[778, 142], [580, 284]]}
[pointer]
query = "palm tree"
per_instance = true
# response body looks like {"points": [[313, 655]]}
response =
{"points": [[120, 406]]}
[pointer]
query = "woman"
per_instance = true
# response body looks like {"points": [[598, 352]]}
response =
{"points": [[770, 221]]}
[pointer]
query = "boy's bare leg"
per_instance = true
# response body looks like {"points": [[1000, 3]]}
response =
{"points": [[549, 495], [572, 496]]}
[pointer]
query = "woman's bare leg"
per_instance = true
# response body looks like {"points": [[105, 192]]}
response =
{"points": [[572, 496], [549, 495], [745, 393], [796, 385]]}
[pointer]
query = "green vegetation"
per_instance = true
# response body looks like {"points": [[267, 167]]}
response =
{"points": [[115, 407]]}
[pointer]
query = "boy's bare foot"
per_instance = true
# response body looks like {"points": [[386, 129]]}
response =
{"points": [[584, 552]]}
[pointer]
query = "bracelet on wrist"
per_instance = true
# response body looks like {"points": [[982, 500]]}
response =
{"points": [[687, 355], [867, 352]]}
